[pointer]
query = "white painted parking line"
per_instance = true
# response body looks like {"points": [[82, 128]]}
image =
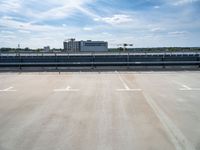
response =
{"points": [[10, 89], [68, 89], [123, 82], [176, 136], [187, 88], [126, 88], [129, 90], [192, 89]]}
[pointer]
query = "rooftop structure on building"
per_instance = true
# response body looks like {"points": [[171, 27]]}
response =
{"points": [[46, 48]]}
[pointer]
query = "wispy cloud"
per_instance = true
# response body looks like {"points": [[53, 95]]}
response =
{"points": [[59, 9], [87, 28], [177, 33], [156, 29], [10, 5], [156, 7], [115, 19], [6, 32], [143, 22], [184, 2]]}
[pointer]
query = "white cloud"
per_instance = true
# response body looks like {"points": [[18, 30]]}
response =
{"points": [[6, 32], [87, 28], [7, 17], [177, 33], [21, 26], [60, 9], [156, 7], [106, 34], [49, 9], [183, 2], [64, 25], [115, 19], [40, 34], [37, 17], [10, 5], [8, 36], [24, 31], [157, 29]]}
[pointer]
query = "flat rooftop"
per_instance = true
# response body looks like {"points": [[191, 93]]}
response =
{"points": [[100, 110]]}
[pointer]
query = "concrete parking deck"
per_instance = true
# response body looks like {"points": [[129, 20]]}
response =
{"points": [[100, 111]]}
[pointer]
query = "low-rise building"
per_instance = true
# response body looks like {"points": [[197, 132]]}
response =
{"points": [[72, 45], [96, 46], [47, 48]]}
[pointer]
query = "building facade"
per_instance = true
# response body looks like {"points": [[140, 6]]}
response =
{"points": [[47, 48], [93, 46], [72, 45]]}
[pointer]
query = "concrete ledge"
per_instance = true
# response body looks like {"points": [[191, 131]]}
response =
{"points": [[96, 69]]}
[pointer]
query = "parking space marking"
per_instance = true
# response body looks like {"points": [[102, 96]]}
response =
{"points": [[126, 88], [129, 90], [192, 89], [9, 89], [186, 88], [68, 89], [176, 136]]}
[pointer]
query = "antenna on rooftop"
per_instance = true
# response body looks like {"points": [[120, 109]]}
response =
{"points": [[125, 45]]}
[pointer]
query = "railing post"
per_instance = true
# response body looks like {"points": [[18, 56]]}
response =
{"points": [[93, 60], [163, 59], [56, 61], [128, 60], [20, 61], [92, 54]]}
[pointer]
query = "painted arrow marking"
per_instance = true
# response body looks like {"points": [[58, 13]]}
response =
{"points": [[187, 88], [129, 90], [68, 89], [10, 89]]}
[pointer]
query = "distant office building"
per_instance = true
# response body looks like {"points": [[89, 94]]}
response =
{"points": [[96, 46], [72, 45], [47, 48]]}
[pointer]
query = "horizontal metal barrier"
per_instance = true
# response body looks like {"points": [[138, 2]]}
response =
{"points": [[100, 54], [100, 59]]}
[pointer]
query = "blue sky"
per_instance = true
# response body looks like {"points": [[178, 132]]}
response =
{"points": [[145, 23]]}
